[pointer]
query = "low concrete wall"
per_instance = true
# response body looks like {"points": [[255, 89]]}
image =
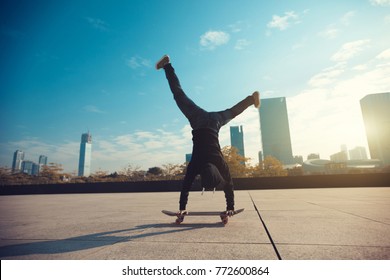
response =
{"points": [[290, 182]]}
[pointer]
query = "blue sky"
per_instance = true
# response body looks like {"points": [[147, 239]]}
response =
{"points": [[68, 67]]}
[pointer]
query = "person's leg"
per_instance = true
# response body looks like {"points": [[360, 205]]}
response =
{"points": [[184, 197], [186, 187], [185, 104], [229, 195], [227, 184], [229, 114]]}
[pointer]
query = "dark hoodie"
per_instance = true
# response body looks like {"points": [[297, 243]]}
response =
{"points": [[207, 160]]}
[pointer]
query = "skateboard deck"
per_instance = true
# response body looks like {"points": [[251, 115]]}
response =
{"points": [[221, 214]]}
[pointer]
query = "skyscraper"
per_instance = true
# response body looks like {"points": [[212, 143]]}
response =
{"points": [[237, 139], [17, 161], [42, 160], [275, 130], [29, 167], [358, 153], [376, 116], [85, 155]]}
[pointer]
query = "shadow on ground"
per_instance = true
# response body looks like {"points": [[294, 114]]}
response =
{"points": [[97, 240]]}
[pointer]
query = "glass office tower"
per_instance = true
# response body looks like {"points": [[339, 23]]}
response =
{"points": [[275, 130], [376, 116], [85, 155], [237, 139], [17, 161], [42, 160]]}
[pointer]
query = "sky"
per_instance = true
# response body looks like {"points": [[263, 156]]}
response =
{"points": [[69, 67]]}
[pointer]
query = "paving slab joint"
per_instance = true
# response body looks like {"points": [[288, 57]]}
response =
{"points": [[266, 229]]}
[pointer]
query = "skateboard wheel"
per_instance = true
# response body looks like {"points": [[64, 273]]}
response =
{"points": [[224, 219], [179, 220]]}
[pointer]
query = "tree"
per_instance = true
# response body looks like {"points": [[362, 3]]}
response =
{"points": [[269, 167], [52, 171], [172, 171], [5, 175], [130, 170], [155, 171], [236, 162]]}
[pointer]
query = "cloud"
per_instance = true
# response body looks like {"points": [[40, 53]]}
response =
{"points": [[93, 109], [241, 44], [138, 61], [238, 26], [384, 55], [327, 76], [142, 148], [350, 50], [333, 30], [347, 17], [97, 23], [212, 39], [328, 112], [330, 32], [283, 22], [380, 2]]}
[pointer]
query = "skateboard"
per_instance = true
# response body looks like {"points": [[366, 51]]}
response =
{"points": [[222, 215]]}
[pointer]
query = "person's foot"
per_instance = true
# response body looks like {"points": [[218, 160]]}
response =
{"points": [[256, 99], [162, 62]]}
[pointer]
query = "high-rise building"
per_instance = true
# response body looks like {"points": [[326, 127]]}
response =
{"points": [[358, 153], [260, 154], [188, 158], [376, 116], [42, 160], [237, 139], [85, 155], [17, 161], [275, 130], [344, 149], [29, 167], [341, 156]]}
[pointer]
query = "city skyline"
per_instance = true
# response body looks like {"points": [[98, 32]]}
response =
{"points": [[77, 66], [21, 165]]}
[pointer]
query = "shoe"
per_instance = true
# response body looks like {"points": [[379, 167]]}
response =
{"points": [[162, 62], [256, 97]]}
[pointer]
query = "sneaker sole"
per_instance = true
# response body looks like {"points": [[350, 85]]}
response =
{"points": [[161, 63]]}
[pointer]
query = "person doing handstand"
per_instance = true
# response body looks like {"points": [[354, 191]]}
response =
{"points": [[207, 159]]}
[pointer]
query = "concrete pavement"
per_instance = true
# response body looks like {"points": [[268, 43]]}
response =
{"points": [[344, 223]]}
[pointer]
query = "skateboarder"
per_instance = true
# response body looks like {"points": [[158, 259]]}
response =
{"points": [[207, 159]]}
